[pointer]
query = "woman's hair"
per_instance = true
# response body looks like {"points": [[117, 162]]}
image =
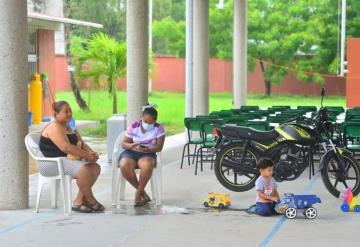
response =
{"points": [[57, 105], [150, 111], [264, 163]]}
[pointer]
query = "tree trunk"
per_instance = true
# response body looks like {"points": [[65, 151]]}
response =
{"points": [[267, 88], [266, 82], [114, 102], [74, 86], [76, 91]]}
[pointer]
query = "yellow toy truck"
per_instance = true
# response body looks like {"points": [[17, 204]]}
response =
{"points": [[217, 200]]}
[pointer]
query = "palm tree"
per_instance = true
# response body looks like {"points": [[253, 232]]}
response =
{"points": [[103, 57]]}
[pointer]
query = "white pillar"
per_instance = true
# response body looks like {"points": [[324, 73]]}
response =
{"points": [[240, 53], [201, 57], [14, 163], [189, 60], [137, 57]]}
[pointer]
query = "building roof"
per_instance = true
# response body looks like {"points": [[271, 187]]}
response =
{"points": [[52, 22]]}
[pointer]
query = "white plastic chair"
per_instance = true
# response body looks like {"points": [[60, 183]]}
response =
{"points": [[32, 145], [119, 182]]}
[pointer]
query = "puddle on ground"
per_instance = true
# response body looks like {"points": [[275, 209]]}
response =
{"points": [[151, 209]]}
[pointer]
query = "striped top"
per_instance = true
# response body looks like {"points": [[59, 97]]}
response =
{"points": [[147, 138]]}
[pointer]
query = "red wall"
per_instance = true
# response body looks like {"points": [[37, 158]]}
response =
{"points": [[353, 77], [62, 80], [169, 75]]}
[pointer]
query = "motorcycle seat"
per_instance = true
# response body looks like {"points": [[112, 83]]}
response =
{"points": [[238, 132]]}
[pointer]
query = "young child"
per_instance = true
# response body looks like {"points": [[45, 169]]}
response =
{"points": [[266, 188]]}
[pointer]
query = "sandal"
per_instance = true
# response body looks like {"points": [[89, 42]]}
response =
{"points": [[146, 200], [81, 208], [146, 197], [139, 204], [97, 207]]}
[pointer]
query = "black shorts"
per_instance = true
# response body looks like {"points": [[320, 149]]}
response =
{"points": [[136, 155]]}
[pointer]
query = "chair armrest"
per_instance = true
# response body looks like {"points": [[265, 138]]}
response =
{"points": [[58, 160]]}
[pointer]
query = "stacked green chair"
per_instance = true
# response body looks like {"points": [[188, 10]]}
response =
{"points": [[236, 119], [352, 116], [225, 113], [352, 136], [259, 125], [205, 151], [338, 109], [307, 108], [194, 138], [249, 108], [279, 119]]}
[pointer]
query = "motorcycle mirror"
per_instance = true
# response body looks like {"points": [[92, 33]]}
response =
{"points": [[322, 96], [322, 92]]}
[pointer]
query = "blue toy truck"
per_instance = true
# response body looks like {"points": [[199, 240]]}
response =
{"points": [[290, 204]]}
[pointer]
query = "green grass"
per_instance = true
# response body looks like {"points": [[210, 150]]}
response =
{"points": [[171, 106]]}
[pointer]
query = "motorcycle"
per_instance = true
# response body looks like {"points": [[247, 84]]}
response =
{"points": [[291, 146]]}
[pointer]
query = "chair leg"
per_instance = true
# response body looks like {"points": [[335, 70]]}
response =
{"points": [[188, 153], [183, 155], [122, 184], [153, 181], [201, 159], [197, 160], [68, 180], [114, 185], [159, 188], [65, 196], [212, 161], [38, 196], [194, 155], [55, 192]]}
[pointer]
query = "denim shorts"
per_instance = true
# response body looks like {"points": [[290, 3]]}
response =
{"points": [[136, 155], [265, 209]]}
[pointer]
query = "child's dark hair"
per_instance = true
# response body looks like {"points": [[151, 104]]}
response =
{"points": [[264, 163], [57, 105], [151, 111]]}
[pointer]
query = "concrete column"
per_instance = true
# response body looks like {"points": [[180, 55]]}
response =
{"points": [[14, 163], [189, 60], [201, 57], [240, 53], [137, 57]]}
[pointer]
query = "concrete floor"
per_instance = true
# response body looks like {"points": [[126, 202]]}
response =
{"points": [[181, 220]]}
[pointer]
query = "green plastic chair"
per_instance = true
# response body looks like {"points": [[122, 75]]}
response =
{"points": [[225, 113], [208, 142], [259, 125], [236, 120], [279, 119], [335, 109], [192, 127], [352, 116], [307, 108], [352, 136], [249, 108]]}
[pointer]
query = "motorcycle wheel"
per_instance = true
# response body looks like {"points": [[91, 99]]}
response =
{"points": [[235, 180], [331, 181]]}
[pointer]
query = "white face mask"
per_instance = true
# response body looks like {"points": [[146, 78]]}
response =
{"points": [[147, 126]]}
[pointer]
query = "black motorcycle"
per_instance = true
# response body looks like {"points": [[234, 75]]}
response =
{"points": [[292, 147]]}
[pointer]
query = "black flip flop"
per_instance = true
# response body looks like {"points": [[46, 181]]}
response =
{"points": [[81, 208]]}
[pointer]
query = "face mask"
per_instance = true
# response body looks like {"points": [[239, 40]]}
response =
{"points": [[147, 126]]}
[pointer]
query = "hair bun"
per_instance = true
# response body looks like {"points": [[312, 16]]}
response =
{"points": [[149, 105]]}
